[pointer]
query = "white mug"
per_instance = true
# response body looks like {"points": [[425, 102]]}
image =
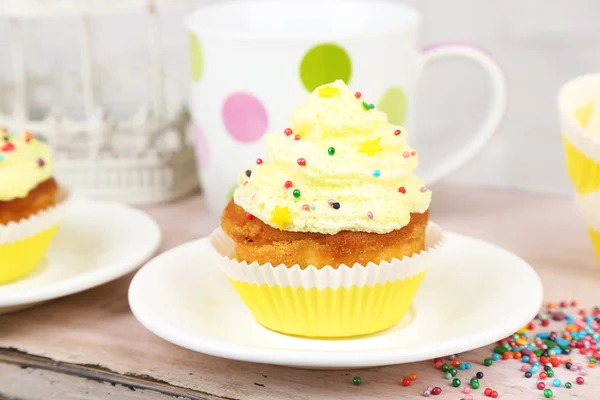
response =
{"points": [[252, 61]]}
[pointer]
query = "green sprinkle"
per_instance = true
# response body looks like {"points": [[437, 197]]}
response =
{"points": [[331, 151], [296, 193], [368, 106], [550, 373], [456, 382], [548, 393], [356, 381], [445, 367], [448, 375], [488, 362], [568, 385], [453, 371]]}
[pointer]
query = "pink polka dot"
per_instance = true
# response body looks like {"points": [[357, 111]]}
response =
{"points": [[245, 117], [202, 150]]}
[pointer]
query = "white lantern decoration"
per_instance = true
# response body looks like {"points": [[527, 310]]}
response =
{"points": [[136, 156]]}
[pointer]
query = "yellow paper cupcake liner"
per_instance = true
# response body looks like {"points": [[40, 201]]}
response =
{"points": [[328, 312], [19, 258], [595, 236], [583, 171], [328, 302]]}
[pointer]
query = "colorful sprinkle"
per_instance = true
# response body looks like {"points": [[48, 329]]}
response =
{"points": [[1, 158], [405, 382], [356, 381], [579, 380], [297, 137], [357, 95], [406, 154], [368, 106], [330, 202], [488, 362], [8, 146], [259, 161], [301, 162], [412, 377], [288, 131], [370, 215], [28, 136], [436, 391], [376, 173], [423, 189], [249, 216], [296, 193], [41, 162], [331, 151], [288, 184], [312, 207], [397, 132], [456, 382], [402, 189], [548, 393], [305, 207], [568, 385]]}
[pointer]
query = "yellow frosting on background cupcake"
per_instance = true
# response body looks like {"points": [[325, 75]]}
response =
{"points": [[349, 170], [24, 164]]}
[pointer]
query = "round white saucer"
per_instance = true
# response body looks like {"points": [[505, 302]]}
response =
{"points": [[464, 303], [97, 243]]}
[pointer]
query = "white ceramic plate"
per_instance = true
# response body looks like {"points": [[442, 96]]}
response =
{"points": [[464, 303], [97, 243]]}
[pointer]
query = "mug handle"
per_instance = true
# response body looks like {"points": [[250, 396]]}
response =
{"points": [[492, 120]]}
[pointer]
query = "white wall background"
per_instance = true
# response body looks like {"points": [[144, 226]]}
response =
{"points": [[540, 44]]}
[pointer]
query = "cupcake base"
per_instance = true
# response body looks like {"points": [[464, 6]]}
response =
{"points": [[22, 257], [328, 302], [329, 313]]}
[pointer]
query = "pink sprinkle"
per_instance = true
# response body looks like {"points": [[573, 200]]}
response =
{"points": [[297, 137], [468, 397], [305, 207], [524, 368], [370, 215], [397, 132], [467, 390], [413, 153], [406, 154]]}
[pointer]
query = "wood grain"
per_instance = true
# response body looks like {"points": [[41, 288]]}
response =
{"points": [[94, 332]]}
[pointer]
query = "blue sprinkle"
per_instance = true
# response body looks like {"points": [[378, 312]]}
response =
{"points": [[312, 207], [495, 356], [536, 364], [461, 367], [376, 173], [525, 359], [533, 370], [543, 335], [562, 342], [556, 383], [1, 157], [468, 366]]}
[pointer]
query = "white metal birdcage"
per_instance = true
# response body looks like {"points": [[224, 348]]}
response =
{"points": [[141, 155]]}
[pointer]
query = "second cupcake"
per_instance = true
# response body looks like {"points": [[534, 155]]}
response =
{"points": [[328, 236]]}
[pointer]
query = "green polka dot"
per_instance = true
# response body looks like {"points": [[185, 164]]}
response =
{"points": [[230, 195], [323, 64], [196, 58], [395, 104]]}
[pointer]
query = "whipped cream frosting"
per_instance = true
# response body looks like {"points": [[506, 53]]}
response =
{"points": [[24, 163], [339, 166]]}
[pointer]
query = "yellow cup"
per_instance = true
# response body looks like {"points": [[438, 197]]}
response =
{"points": [[579, 108]]}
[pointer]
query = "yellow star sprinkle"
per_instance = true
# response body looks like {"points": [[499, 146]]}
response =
{"points": [[281, 216], [371, 147], [328, 91]]}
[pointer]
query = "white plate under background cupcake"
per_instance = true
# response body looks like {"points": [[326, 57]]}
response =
{"points": [[183, 297], [97, 243]]}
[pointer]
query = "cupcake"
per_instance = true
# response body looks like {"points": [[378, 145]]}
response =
{"points": [[328, 235], [31, 204]]}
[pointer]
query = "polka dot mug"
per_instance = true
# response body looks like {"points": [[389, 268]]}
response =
{"points": [[252, 61]]}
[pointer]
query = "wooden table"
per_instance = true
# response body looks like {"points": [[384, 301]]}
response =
{"points": [[89, 346]]}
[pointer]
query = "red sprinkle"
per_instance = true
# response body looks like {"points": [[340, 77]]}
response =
{"points": [[487, 392], [541, 385], [402, 190], [297, 137], [301, 162], [413, 153], [397, 132], [579, 380], [357, 95], [405, 382], [494, 394], [545, 322], [436, 390], [288, 184], [543, 375], [8, 147], [305, 207], [287, 131], [249, 216]]}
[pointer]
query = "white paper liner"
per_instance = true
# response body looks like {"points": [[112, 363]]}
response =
{"points": [[327, 277], [589, 205], [36, 223], [574, 94]]}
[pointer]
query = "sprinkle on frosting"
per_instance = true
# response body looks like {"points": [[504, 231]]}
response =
{"points": [[25, 163], [340, 191]]}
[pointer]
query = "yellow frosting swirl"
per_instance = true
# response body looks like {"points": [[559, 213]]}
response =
{"points": [[24, 164], [357, 173]]}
